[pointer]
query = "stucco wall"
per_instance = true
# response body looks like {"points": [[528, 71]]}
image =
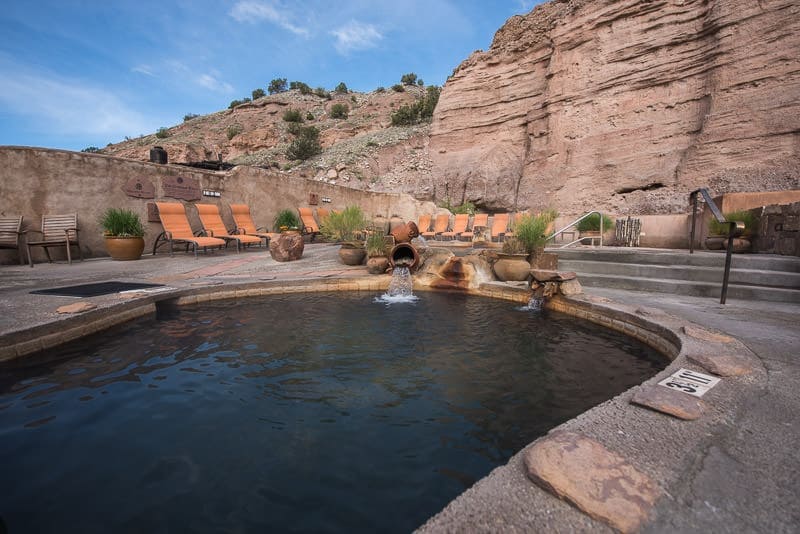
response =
{"points": [[37, 181]]}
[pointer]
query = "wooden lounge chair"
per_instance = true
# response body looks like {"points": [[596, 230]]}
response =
{"points": [[57, 231], [499, 225], [178, 230], [439, 226], [424, 223], [214, 227], [459, 225], [245, 225], [11, 235], [310, 225], [479, 223]]}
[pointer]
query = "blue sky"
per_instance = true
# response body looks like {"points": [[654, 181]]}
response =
{"points": [[75, 74]]}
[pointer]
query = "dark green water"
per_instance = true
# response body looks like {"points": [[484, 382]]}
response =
{"points": [[302, 413]]}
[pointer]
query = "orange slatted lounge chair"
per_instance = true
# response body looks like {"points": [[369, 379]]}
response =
{"points": [[245, 225], [322, 214], [459, 225], [57, 231], [479, 222], [499, 225], [424, 223], [178, 230], [214, 227], [310, 225], [11, 235], [439, 225]]}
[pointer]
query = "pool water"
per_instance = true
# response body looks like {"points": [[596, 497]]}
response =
{"points": [[299, 413]]}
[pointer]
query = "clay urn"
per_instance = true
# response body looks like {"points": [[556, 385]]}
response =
{"points": [[404, 233], [512, 267]]}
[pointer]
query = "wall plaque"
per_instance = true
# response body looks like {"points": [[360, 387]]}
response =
{"points": [[139, 188], [313, 199], [182, 188], [152, 212]]}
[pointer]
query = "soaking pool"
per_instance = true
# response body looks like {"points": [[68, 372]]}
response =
{"points": [[321, 412]]}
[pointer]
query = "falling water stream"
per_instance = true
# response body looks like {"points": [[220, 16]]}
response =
{"points": [[400, 287]]}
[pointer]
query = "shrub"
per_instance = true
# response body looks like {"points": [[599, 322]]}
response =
{"points": [[309, 116], [286, 219], [405, 115], [305, 145], [302, 87], [717, 228], [420, 110], [292, 115], [278, 85], [322, 93], [91, 149], [190, 116], [380, 89], [234, 130], [258, 93], [235, 103], [531, 230], [372, 143], [376, 243], [344, 225], [466, 207], [420, 82], [339, 111], [592, 223], [398, 88], [408, 79], [121, 223], [341, 89], [430, 101], [162, 133]]}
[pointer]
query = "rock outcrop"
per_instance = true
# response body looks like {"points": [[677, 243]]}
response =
{"points": [[624, 105]]}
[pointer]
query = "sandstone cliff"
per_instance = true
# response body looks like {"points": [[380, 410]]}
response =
{"points": [[624, 105]]}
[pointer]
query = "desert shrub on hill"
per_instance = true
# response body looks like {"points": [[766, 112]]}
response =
{"points": [[408, 79], [258, 93], [234, 130], [162, 133], [339, 111], [341, 89], [292, 115], [305, 145], [278, 85]]}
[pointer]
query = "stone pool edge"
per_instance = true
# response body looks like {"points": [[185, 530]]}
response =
{"points": [[507, 498]]}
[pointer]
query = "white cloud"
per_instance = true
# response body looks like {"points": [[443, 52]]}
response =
{"points": [[356, 36], [211, 82], [250, 11], [147, 70], [68, 106]]}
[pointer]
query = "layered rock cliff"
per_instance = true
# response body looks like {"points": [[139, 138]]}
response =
{"points": [[624, 105]]}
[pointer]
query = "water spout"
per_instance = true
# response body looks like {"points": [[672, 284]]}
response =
{"points": [[400, 287]]}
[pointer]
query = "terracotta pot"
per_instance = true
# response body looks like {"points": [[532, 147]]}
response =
{"points": [[739, 244], [377, 264], [512, 267], [352, 255], [715, 242], [405, 233], [125, 248]]}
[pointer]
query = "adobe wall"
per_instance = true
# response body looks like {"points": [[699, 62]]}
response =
{"points": [[36, 181]]}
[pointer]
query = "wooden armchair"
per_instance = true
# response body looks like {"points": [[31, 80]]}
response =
{"points": [[57, 231], [11, 235]]}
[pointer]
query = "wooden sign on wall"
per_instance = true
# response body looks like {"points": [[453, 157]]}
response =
{"points": [[181, 188], [139, 188], [313, 199]]}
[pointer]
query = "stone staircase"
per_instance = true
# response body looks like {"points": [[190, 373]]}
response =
{"points": [[753, 276]]}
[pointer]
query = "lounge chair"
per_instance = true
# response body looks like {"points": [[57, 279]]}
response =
{"points": [[517, 217], [424, 223], [57, 231], [178, 230], [11, 235], [479, 223], [322, 214], [459, 225], [499, 225], [439, 226], [214, 227], [310, 225], [245, 225]]}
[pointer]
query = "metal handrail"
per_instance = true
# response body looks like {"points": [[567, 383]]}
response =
{"points": [[735, 229], [573, 223]]}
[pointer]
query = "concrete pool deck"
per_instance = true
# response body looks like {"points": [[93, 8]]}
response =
{"points": [[736, 468]]}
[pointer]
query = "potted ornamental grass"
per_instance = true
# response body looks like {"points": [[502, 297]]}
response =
{"points": [[124, 234], [590, 226], [717, 238], [286, 221], [524, 248], [346, 227]]}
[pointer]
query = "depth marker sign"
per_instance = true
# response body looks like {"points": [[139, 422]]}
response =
{"points": [[690, 382]]}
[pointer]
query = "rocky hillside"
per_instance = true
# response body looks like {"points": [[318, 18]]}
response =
{"points": [[622, 105], [363, 151]]}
